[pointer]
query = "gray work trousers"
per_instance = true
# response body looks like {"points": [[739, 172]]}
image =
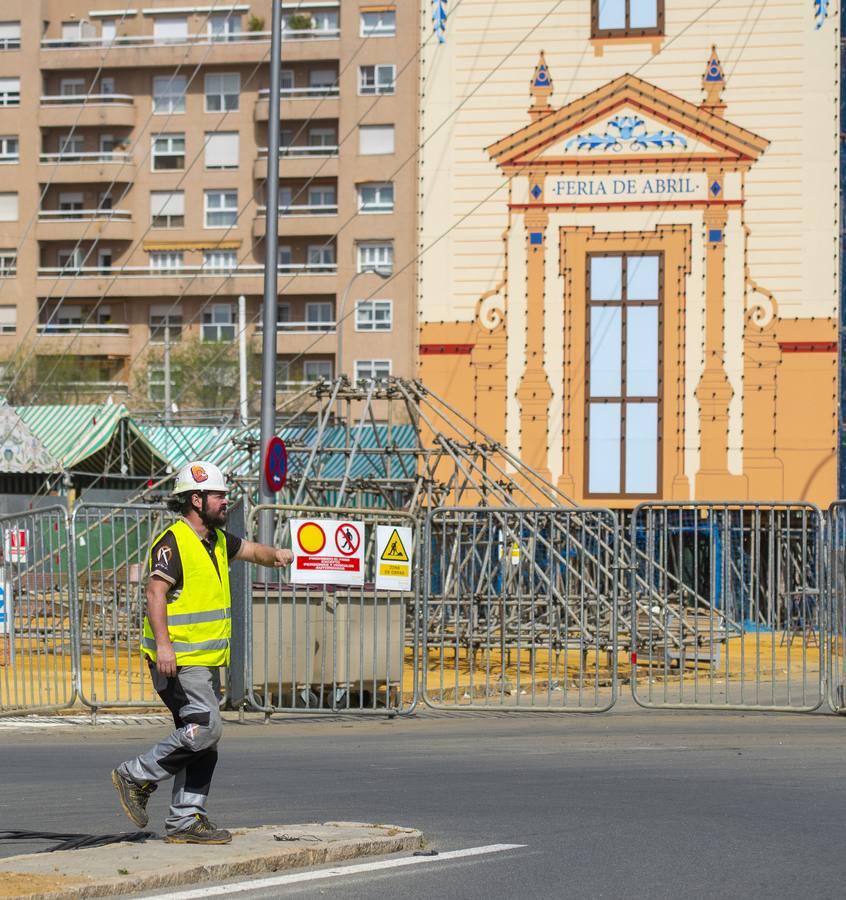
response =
{"points": [[189, 753]]}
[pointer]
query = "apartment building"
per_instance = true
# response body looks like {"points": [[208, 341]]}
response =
{"points": [[133, 157]]}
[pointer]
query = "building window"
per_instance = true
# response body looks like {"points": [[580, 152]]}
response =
{"points": [[167, 209], [222, 91], [373, 315], [321, 257], [221, 208], [323, 198], [379, 24], [10, 35], [168, 152], [156, 381], [165, 315], [318, 316], [8, 319], [169, 94], [624, 374], [626, 18], [167, 261], [220, 260], [374, 140], [372, 369], [376, 79], [219, 323], [10, 92], [8, 263], [170, 30], [224, 27], [285, 258], [9, 151], [221, 150], [9, 207], [317, 370], [376, 255], [72, 87], [323, 137], [69, 260], [376, 197], [71, 147]]}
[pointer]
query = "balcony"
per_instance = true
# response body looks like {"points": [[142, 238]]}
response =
{"points": [[145, 50], [76, 224], [299, 219], [82, 168], [299, 102], [93, 339], [142, 281], [79, 110], [299, 162], [301, 337]]}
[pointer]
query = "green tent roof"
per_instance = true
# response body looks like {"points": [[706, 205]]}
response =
{"points": [[100, 439]]}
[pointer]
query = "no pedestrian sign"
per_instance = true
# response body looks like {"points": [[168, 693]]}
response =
{"points": [[394, 550], [327, 551]]}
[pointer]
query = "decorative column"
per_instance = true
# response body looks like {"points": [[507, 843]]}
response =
{"points": [[534, 393], [761, 357]]}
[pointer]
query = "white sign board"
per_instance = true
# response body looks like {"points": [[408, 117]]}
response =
{"points": [[327, 551], [15, 542], [393, 558], [5, 604]]}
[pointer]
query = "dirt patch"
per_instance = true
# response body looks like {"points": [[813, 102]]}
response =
{"points": [[19, 884]]}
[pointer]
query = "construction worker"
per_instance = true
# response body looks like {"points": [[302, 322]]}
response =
{"points": [[186, 641]]}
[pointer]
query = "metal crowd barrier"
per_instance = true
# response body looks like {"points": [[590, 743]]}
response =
{"points": [[520, 609], [727, 606], [836, 606], [331, 649], [36, 613], [110, 559]]}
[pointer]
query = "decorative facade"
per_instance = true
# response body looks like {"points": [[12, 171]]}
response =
{"points": [[638, 293]]}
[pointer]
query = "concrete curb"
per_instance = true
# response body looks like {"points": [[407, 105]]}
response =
{"points": [[133, 868]]}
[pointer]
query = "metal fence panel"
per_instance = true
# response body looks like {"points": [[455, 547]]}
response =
{"points": [[36, 633], [727, 606], [836, 605], [112, 546], [326, 648], [520, 609]]}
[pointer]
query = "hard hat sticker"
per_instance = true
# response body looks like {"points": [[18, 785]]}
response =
{"points": [[199, 474]]}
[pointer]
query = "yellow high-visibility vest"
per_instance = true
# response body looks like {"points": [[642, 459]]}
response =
{"points": [[198, 620]]}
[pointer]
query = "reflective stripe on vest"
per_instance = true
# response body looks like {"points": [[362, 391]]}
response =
{"points": [[198, 620]]}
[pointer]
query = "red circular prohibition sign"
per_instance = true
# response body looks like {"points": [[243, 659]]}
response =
{"points": [[347, 539]]}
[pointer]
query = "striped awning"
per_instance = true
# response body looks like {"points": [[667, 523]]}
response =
{"points": [[100, 439]]}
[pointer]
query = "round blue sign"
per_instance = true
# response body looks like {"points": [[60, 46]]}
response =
{"points": [[276, 464]]}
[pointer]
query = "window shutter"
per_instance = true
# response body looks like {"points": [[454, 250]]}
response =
{"points": [[167, 203], [222, 150], [10, 31], [376, 139], [170, 28], [8, 207]]}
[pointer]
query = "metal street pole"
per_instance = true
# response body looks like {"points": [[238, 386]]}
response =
{"points": [[271, 247], [243, 405]]}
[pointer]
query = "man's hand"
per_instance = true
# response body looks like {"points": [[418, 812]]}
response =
{"points": [[282, 558], [166, 659]]}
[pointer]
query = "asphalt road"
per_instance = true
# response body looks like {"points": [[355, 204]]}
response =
{"points": [[650, 804]]}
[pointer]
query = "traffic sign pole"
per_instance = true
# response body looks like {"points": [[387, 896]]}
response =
{"points": [[271, 244]]}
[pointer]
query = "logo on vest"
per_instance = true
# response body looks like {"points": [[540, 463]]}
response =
{"points": [[199, 474]]}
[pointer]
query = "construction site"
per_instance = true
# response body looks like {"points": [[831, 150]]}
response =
{"points": [[521, 599]]}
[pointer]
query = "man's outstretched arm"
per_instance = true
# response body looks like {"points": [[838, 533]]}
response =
{"points": [[264, 555]]}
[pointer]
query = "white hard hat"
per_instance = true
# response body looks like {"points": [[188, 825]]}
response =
{"points": [[199, 476]]}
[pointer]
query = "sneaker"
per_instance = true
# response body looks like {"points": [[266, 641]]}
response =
{"points": [[133, 797], [200, 831]]}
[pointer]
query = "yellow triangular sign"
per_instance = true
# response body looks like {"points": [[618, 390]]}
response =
{"points": [[394, 550]]}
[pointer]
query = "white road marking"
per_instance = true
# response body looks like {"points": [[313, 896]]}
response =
{"points": [[337, 872]]}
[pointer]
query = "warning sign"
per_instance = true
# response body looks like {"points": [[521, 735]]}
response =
{"points": [[394, 549], [327, 551], [15, 544]]}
